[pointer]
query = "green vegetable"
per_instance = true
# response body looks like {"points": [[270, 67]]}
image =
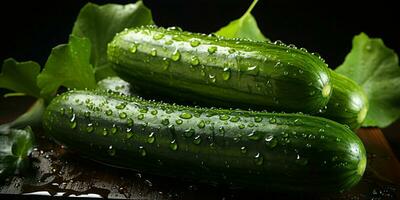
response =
{"points": [[116, 84], [20, 77], [244, 27], [234, 73], [275, 151], [100, 23], [376, 68], [68, 65], [348, 103], [15, 147]]}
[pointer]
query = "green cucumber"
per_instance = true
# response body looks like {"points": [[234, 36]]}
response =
{"points": [[348, 103], [247, 149], [223, 72], [117, 85]]}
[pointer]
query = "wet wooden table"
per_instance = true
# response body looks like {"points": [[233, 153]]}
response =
{"points": [[57, 172]]}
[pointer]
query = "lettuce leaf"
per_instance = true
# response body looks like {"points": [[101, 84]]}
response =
{"points": [[100, 24], [376, 68], [244, 27]]}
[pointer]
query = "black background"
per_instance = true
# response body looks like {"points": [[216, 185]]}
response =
{"points": [[31, 28]]}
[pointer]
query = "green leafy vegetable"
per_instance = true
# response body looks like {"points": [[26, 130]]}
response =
{"points": [[68, 65], [376, 68], [244, 27], [101, 23], [15, 148], [20, 77]]}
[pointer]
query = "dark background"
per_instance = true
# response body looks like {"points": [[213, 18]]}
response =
{"points": [[31, 28]]}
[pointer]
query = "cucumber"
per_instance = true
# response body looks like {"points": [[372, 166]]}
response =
{"points": [[260, 150], [117, 85], [221, 72], [348, 103]]}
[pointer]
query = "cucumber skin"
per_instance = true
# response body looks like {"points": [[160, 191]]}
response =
{"points": [[348, 103], [239, 73], [299, 152]]}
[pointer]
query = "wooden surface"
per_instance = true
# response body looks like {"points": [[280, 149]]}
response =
{"points": [[57, 172]]}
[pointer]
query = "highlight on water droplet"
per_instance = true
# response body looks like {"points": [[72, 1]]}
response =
{"points": [[113, 129], [111, 151], [189, 132], [194, 61], [89, 128], [140, 116], [151, 138], [176, 55], [243, 149], [173, 145], [194, 43], [153, 52], [142, 151], [178, 121], [201, 124], [158, 36], [185, 115], [212, 49], [109, 112], [122, 115], [133, 48], [224, 117], [197, 139], [226, 74], [258, 159]]}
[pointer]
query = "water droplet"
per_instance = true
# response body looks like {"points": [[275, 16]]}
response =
{"points": [[212, 49], [158, 36], [285, 73], [173, 145], [212, 78], [226, 74], [120, 106], [176, 56], [143, 110], [179, 121], [140, 117], [72, 125], [194, 43], [114, 129], [111, 151], [202, 73], [258, 119], [165, 122], [231, 51], [129, 133], [89, 128], [151, 138], [194, 61], [153, 52], [133, 48], [251, 124], [242, 126], [154, 112], [201, 124], [130, 122], [169, 42], [185, 116], [122, 115], [221, 130], [300, 160], [109, 112], [197, 139], [258, 159], [62, 111], [255, 135], [252, 68], [224, 117], [234, 119], [87, 114], [142, 151], [105, 132], [189, 132], [272, 120], [243, 150], [279, 42]]}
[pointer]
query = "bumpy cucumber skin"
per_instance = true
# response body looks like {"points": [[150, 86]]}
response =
{"points": [[348, 103], [250, 149], [218, 71]]}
